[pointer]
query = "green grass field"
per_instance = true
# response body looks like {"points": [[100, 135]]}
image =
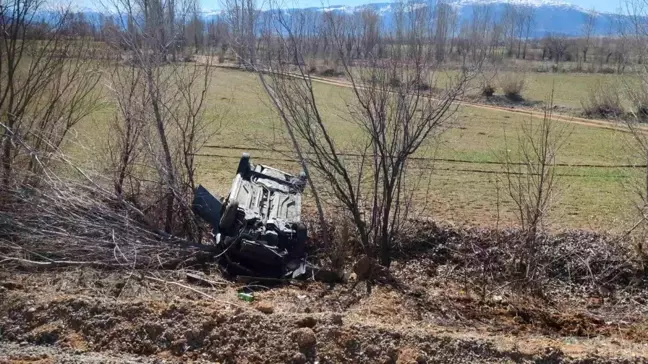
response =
{"points": [[464, 193], [569, 89]]}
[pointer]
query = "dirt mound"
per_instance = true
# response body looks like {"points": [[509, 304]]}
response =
{"points": [[416, 320]]}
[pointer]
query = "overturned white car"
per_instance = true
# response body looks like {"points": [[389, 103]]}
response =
{"points": [[258, 227]]}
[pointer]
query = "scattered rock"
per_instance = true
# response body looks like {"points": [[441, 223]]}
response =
{"points": [[372, 350], [265, 307], [299, 358], [305, 338], [408, 356], [336, 319], [308, 321]]}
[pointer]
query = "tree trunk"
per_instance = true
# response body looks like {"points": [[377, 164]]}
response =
{"points": [[6, 159], [170, 175]]}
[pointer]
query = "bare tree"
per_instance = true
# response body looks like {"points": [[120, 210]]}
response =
{"points": [[195, 28], [588, 30], [47, 85], [527, 15], [510, 24], [443, 20], [370, 32], [479, 31], [394, 120], [160, 120], [531, 180], [557, 44], [242, 17]]}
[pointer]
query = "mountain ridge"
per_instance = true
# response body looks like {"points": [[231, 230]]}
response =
{"points": [[550, 16]]}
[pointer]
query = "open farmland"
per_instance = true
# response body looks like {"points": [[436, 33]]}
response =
{"points": [[464, 183]]}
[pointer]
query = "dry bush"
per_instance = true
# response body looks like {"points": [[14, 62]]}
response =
{"points": [[531, 181], [343, 246], [638, 95], [79, 220], [420, 85], [487, 89], [68, 222], [580, 262], [395, 82], [330, 72], [487, 83], [512, 85], [603, 101]]}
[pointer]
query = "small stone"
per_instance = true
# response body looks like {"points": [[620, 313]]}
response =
{"points": [[307, 321], [372, 351], [305, 338], [299, 358], [31, 310], [336, 319], [407, 356], [265, 307]]}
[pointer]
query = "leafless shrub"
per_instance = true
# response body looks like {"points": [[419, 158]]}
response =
{"points": [[603, 101], [344, 244], [46, 86], [512, 84], [395, 82], [375, 188], [77, 220], [488, 89], [581, 262], [488, 82], [638, 95], [420, 85], [330, 72], [160, 121], [637, 186], [531, 182]]}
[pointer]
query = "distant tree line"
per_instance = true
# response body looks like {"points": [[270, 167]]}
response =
{"points": [[236, 33]]}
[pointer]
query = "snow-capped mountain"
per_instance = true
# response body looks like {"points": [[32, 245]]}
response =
{"points": [[549, 16]]}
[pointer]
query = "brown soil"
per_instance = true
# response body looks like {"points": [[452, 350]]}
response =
{"points": [[418, 317]]}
